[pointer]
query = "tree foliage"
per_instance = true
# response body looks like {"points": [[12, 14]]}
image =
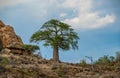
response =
{"points": [[56, 34]]}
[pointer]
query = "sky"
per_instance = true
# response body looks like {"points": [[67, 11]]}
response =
{"points": [[97, 23]]}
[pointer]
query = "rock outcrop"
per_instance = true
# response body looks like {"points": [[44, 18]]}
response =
{"points": [[8, 37], [1, 24]]}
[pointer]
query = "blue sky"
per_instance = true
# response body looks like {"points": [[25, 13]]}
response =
{"points": [[97, 23]]}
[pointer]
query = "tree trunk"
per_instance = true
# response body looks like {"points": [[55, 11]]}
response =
{"points": [[55, 54]]}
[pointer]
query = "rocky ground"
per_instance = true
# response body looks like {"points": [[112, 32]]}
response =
{"points": [[32, 66]]}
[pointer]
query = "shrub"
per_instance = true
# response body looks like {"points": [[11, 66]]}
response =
{"points": [[30, 48], [105, 60], [61, 72], [83, 62], [3, 62]]}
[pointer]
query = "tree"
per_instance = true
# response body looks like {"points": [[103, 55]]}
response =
{"points": [[58, 35], [118, 56]]}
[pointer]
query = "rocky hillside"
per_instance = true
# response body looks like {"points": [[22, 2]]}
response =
{"points": [[32, 66], [28, 65]]}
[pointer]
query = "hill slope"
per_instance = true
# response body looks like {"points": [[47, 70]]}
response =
{"points": [[32, 66]]}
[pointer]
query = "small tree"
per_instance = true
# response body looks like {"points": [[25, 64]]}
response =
{"points": [[58, 35], [118, 56], [90, 58]]}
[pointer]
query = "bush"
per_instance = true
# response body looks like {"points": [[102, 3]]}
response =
{"points": [[61, 72], [105, 60], [3, 62], [30, 48], [83, 62]]}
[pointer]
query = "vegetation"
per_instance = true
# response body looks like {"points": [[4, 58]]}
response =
{"points": [[0, 48], [118, 56], [105, 60], [90, 58], [14, 63], [83, 62], [26, 66], [58, 35], [3, 62], [30, 48]]}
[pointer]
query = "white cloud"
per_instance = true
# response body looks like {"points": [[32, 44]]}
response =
{"points": [[63, 14], [83, 15], [38, 9], [7, 3], [78, 5], [42, 9], [86, 18], [90, 21]]}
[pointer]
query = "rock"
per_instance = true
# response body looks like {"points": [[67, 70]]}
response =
{"points": [[8, 37], [1, 24], [7, 51]]}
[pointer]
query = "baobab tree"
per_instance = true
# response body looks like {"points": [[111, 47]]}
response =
{"points": [[58, 35]]}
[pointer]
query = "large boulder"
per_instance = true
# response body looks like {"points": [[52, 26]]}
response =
{"points": [[8, 37]]}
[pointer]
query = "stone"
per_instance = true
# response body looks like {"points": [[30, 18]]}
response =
{"points": [[7, 51], [8, 37], [1, 24]]}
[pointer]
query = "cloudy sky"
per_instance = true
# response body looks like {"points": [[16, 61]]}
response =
{"points": [[97, 23]]}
